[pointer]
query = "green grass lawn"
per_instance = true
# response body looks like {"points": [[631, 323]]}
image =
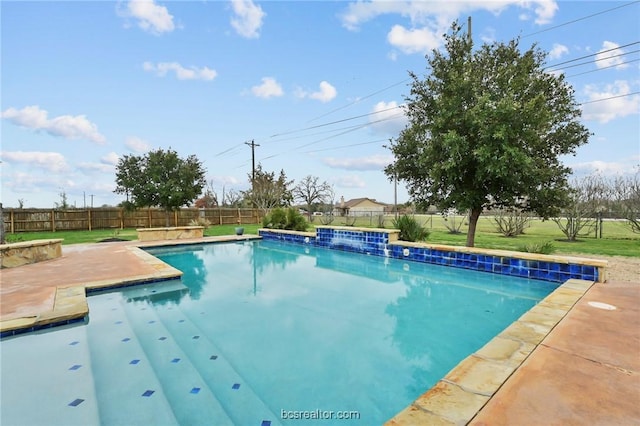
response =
{"points": [[617, 237]]}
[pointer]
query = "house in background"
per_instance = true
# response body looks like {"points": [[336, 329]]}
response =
{"points": [[359, 207]]}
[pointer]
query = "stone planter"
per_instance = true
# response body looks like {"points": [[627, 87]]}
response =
{"points": [[239, 230]]}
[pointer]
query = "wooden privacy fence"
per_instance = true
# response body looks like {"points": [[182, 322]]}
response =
{"points": [[34, 220]]}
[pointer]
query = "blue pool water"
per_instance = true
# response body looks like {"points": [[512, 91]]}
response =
{"points": [[256, 332]]}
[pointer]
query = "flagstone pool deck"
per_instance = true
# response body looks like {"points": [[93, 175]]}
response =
{"points": [[570, 362]]}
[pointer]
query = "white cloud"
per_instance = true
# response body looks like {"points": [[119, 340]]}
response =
{"points": [[611, 168], [605, 57], [488, 35], [349, 181], [225, 181], [326, 93], [372, 162], [110, 159], [151, 17], [419, 40], [268, 89], [95, 167], [29, 183], [545, 11], [610, 109], [51, 161], [67, 126], [248, 18], [428, 20], [137, 144], [557, 51], [192, 73], [388, 118]]}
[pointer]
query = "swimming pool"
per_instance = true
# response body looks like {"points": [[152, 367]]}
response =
{"points": [[257, 332]]}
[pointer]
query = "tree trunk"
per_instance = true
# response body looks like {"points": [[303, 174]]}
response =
{"points": [[473, 221], [167, 217]]}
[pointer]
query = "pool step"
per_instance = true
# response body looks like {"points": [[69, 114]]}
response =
{"points": [[122, 372], [56, 386], [241, 402], [192, 401]]}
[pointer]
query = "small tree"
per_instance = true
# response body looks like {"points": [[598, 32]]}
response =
{"points": [[268, 192], [585, 198], [311, 191], [209, 199], [232, 198], [626, 193], [64, 203], [159, 179], [487, 126], [510, 221]]}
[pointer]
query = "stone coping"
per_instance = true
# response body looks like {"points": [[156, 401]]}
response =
{"points": [[460, 395], [32, 243], [288, 232], [170, 228], [359, 229], [508, 253]]}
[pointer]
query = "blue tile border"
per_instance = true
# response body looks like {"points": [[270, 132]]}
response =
{"points": [[15, 332], [383, 242]]}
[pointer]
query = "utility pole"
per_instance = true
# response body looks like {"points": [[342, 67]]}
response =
{"points": [[253, 145], [469, 29], [91, 195]]}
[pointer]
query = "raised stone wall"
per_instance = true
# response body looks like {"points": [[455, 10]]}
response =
{"points": [[23, 253], [170, 233]]}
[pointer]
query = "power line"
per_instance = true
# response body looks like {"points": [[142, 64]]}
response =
{"points": [[596, 60], [593, 54], [345, 146], [337, 121], [604, 68], [610, 97], [360, 100], [580, 19]]}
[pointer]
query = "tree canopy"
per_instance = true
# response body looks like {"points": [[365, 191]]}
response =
{"points": [[268, 192], [310, 190], [486, 128], [159, 179]]}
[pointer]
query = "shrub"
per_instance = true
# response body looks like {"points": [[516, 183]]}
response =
{"points": [[453, 225], [410, 229], [511, 222], [280, 218], [295, 220], [542, 248]]}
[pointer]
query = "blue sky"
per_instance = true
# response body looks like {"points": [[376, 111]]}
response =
{"points": [[317, 84]]}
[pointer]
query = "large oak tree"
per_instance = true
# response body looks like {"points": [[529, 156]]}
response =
{"points": [[486, 128], [160, 179]]}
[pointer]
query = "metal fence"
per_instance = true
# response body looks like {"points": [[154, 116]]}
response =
{"points": [[47, 220]]}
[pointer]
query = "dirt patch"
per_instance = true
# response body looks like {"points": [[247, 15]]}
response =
{"points": [[621, 268]]}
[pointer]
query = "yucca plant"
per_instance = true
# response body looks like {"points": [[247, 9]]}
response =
{"points": [[410, 229]]}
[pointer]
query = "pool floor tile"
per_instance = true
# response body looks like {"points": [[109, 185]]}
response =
{"points": [[148, 393], [76, 402]]}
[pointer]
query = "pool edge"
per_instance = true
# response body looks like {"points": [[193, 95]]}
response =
{"points": [[465, 390], [70, 304]]}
